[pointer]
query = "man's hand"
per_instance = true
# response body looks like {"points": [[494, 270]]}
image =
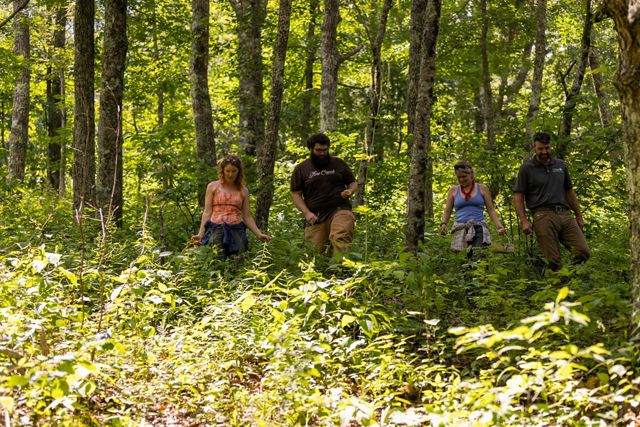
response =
{"points": [[310, 217], [346, 193], [527, 227]]}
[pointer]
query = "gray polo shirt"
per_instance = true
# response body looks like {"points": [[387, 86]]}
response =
{"points": [[544, 186]]}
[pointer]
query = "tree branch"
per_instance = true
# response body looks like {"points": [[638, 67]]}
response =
{"points": [[15, 12], [351, 53]]}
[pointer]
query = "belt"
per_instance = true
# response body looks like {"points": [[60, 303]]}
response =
{"points": [[556, 209]]}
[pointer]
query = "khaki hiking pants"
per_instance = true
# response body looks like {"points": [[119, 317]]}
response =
{"points": [[337, 230], [553, 228]]}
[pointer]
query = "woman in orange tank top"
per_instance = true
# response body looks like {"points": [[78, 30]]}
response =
{"points": [[227, 213]]}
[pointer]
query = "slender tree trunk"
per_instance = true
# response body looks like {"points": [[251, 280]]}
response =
{"points": [[420, 193], [250, 16], [518, 81], [84, 168], [311, 52], [598, 85], [55, 109], [199, 66], [538, 71], [3, 118], [375, 43], [487, 95], [627, 79], [571, 96], [266, 153], [21, 97], [156, 58], [418, 8], [330, 64], [109, 183]]}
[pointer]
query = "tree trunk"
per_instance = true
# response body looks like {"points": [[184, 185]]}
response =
{"points": [[109, 183], [375, 43], [518, 81], [199, 66], [55, 109], [572, 94], [487, 95], [311, 52], [330, 64], [420, 193], [627, 79], [538, 71], [156, 58], [598, 84], [21, 97], [250, 16], [84, 169], [266, 153], [418, 8]]}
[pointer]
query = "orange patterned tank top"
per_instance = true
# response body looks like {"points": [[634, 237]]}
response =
{"points": [[227, 206]]}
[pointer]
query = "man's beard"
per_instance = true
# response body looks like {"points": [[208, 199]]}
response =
{"points": [[544, 159], [320, 161]]}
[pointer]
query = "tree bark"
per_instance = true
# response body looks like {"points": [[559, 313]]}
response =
{"points": [[198, 67], [250, 16], [487, 94], [518, 81], [84, 169], [311, 52], [266, 153], [375, 96], [330, 64], [160, 89], [598, 85], [420, 192], [55, 108], [21, 97], [418, 8], [109, 196], [538, 71], [628, 76], [572, 94]]}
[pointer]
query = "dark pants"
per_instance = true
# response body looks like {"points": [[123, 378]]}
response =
{"points": [[551, 229], [476, 243], [231, 238]]}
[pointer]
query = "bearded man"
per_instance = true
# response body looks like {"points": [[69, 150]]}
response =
{"points": [[544, 183], [320, 188]]}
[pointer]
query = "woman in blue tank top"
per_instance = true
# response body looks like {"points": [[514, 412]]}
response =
{"points": [[469, 199]]}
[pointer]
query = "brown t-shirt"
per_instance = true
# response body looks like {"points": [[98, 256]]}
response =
{"points": [[321, 186]]}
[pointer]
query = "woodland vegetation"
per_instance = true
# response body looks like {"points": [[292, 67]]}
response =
{"points": [[114, 113]]}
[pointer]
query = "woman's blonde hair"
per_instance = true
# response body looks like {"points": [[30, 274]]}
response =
{"points": [[464, 166], [232, 159]]}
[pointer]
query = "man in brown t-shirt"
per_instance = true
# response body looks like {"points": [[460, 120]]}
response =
{"points": [[320, 188]]}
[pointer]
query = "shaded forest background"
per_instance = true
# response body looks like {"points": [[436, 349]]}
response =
{"points": [[111, 122]]}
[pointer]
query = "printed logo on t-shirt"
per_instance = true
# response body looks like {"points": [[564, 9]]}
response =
{"points": [[323, 172], [556, 170]]}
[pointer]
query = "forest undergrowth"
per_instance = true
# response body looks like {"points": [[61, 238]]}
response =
{"points": [[121, 327]]}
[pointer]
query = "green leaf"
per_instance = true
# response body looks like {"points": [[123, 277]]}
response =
{"points": [[562, 294], [347, 320], [17, 380]]}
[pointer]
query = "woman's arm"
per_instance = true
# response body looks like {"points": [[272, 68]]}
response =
{"points": [[448, 208], [208, 207], [248, 219], [488, 202]]}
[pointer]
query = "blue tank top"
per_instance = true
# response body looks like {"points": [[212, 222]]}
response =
{"points": [[469, 210]]}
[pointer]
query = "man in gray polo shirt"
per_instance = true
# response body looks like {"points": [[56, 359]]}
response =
{"points": [[544, 183]]}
